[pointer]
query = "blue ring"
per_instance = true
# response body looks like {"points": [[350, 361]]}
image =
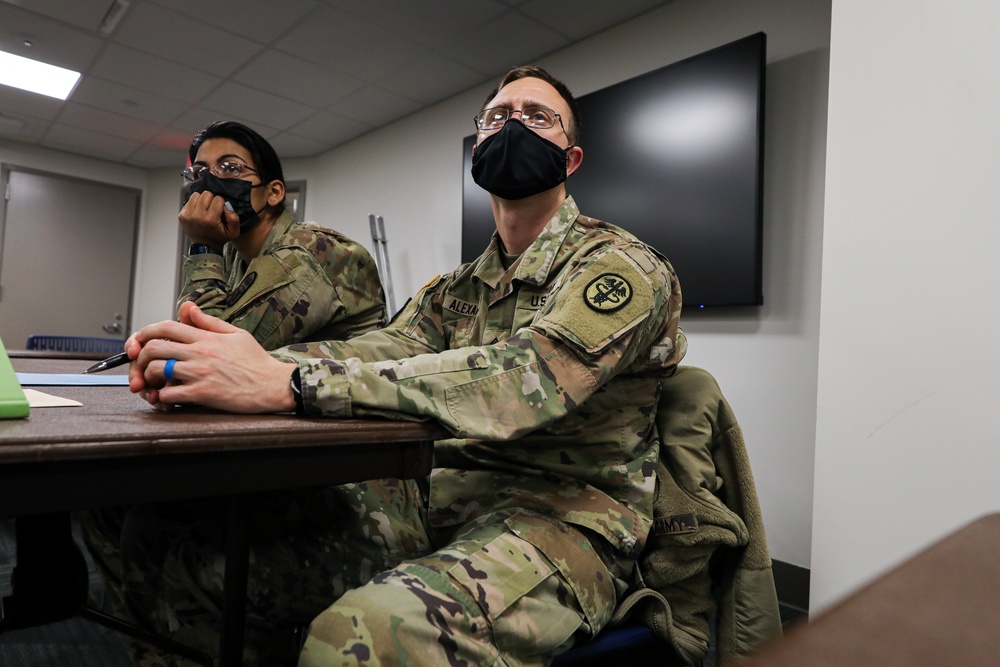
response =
{"points": [[168, 370]]}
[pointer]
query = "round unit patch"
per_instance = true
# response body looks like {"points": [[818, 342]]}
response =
{"points": [[607, 293]]}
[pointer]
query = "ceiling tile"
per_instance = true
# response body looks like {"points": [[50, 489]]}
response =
{"points": [[259, 20], [51, 42], [114, 97], [414, 21], [480, 50], [588, 16], [346, 43], [297, 79], [330, 129], [184, 40], [197, 119], [288, 145], [374, 106], [24, 129], [86, 14], [152, 74], [116, 125], [431, 78], [256, 105], [77, 140], [22, 103], [150, 156]]}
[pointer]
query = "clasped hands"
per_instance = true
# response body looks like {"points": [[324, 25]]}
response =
{"points": [[217, 365]]}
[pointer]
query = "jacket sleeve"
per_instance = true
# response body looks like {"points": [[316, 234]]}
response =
{"points": [[517, 385], [287, 294]]}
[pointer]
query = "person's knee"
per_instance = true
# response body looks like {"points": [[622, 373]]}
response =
{"points": [[401, 617]]}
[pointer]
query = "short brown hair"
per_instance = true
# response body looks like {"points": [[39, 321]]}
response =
{"points": [[535, 72]]}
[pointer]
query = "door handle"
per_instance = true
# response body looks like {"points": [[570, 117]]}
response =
{"points": [[115, 327]]}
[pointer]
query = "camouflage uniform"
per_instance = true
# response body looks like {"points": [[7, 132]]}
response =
{"points": [[308, 283], [523, 539]]}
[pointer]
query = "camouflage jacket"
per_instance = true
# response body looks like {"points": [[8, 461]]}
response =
{"points": [[308, 283], [546, 373]]}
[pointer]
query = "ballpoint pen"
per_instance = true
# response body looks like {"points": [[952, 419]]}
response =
{"points": [[110, 362]]}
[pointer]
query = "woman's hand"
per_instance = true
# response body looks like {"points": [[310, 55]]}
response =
{"points": [[207, 219]]}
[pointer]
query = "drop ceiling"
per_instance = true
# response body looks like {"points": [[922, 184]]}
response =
{"points": [[307, 74]]}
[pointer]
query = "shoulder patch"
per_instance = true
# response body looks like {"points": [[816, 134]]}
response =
{"points": [[607, 293], [241, 289], [601, 302], [264, 275]]}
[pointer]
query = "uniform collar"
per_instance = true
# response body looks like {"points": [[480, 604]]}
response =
{"points": [[537, 261]]}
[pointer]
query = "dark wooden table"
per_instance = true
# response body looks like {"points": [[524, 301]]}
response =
{"points": [[116, 450], [941, 607]]}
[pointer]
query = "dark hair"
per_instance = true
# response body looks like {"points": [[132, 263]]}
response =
{"points": [[265, 159], [575, 128]]}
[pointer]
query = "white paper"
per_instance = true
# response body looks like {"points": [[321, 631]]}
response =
{"points": [[38, 399]]}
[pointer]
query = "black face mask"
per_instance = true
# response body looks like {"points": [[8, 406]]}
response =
{"points": [[236, 192], [516, 163]]}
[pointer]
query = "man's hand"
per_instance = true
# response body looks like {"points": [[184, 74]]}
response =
{"points": [[217, 365], [206, 219]]}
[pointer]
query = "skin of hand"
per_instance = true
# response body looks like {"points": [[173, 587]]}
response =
{"points": [[218, 366], [205, 219]]}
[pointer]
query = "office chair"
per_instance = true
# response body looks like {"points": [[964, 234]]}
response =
{"points": [[91, 345]]}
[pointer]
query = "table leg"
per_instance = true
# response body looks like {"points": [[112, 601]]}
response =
{"points": [[49, 582], [234, 602]]}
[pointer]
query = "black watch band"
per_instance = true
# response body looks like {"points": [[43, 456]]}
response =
{"points": [[296, 385], [203, 249]]}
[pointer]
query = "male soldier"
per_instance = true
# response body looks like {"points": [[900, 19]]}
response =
{"points": [[252, 265], [542, 357]]}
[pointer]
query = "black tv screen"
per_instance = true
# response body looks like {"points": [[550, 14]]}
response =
{"points": [[675, 156]]}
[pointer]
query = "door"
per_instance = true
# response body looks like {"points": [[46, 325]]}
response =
{"points": [[67, 250]]}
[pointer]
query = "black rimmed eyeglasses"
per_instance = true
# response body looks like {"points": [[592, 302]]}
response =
{"points": [[226, 169]]}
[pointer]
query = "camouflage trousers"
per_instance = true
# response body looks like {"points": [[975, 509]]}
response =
{"points": [[377, 584]]}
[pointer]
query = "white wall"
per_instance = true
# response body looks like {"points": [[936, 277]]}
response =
{"points": [[909, 368]]}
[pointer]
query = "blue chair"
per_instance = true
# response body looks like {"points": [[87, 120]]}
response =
{"points": [[90, 345], [629, 643]]}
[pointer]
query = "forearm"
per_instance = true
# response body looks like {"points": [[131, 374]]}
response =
{"points": [[204, 283], [520, 385]]}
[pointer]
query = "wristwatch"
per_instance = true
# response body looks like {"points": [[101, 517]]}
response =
{"points": [[296, 385], [203, 249]]}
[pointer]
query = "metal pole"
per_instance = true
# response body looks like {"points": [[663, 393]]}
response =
{"points": [[381, 247]]}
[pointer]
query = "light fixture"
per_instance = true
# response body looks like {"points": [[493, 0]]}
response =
{"points": [[36, 77]]}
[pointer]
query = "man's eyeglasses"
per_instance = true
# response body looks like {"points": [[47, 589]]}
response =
{"points": [[537, 118], [221, 170]]}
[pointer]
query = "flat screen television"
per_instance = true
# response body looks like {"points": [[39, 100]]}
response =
{"points": [[675, 156]]}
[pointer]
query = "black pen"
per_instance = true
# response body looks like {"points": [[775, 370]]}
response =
{"points": [[111, 362]]}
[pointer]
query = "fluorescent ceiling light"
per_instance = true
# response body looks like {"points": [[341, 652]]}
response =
{"points": [[36, 77]]}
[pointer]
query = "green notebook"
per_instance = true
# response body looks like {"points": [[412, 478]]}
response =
{"points": [[13, 404]]}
